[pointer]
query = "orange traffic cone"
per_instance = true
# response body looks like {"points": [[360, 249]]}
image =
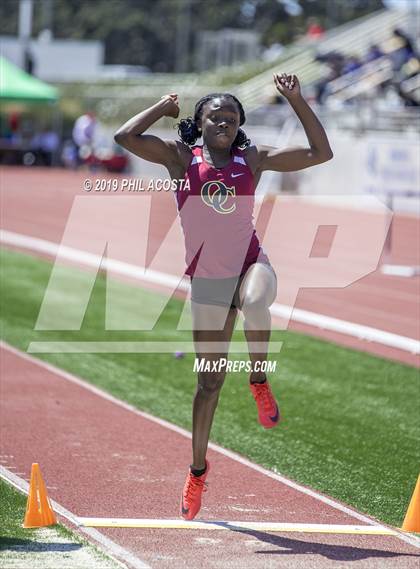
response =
{"points": [[412, 517], [39, 511]]}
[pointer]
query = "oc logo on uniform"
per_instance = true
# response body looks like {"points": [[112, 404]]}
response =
{"points": [[215, 194]]}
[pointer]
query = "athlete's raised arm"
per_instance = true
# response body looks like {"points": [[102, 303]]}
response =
{"points": [[291, 159], [152, 148]]}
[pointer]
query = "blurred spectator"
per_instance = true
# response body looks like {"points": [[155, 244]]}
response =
{"points": [[45, 144], [28, 61], [27, 129], [115, 159], [314, 30], [11, 127], [374, 52], [351, 64], [14, 122], [83, 135], [335, 62], [407, 98], [69, 155], [406, 42], [400, 49]]}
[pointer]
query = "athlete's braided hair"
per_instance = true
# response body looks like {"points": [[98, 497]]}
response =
{"points": [[189, 131]]}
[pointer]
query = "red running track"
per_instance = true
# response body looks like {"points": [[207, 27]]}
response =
{"points": [[100, 459], [37, 203]]}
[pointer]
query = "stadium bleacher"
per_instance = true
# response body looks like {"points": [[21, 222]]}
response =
{"points": [[353, 38]]}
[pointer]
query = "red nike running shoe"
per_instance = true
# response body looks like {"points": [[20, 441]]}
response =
{"points": [[191, 495], [268, 411]]}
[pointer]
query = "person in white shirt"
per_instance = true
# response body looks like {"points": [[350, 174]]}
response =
{"points": [[83, 135]]}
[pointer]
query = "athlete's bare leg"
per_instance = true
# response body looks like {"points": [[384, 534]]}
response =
{"points": [[256, 294], [209, 383]]}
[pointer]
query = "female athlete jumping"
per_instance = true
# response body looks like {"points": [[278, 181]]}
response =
{"points": [[228, 269]]}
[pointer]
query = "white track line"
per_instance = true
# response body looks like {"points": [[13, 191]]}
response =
{"points": [[225, 525], [298, 315], [146, 347], [412, 540], [348, 328], [110, 547]]}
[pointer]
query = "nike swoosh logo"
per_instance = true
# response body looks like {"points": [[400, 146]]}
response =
{"points": [[236, 175], [184, 510], [276, 416]]}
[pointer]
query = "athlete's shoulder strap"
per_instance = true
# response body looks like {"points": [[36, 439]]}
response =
{"points": [[238, 156], [197, 155]]}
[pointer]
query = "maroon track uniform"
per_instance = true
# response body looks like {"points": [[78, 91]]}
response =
{"points": [[217, 219]]}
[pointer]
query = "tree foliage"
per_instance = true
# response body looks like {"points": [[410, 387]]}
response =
{"points": [[147, 32]]}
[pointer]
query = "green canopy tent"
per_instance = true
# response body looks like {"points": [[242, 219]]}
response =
{"points": [[16, 85], [19, 88]]}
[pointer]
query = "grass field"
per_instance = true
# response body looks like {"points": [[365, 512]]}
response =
{"points": [[43, 548], [351, 425]]}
